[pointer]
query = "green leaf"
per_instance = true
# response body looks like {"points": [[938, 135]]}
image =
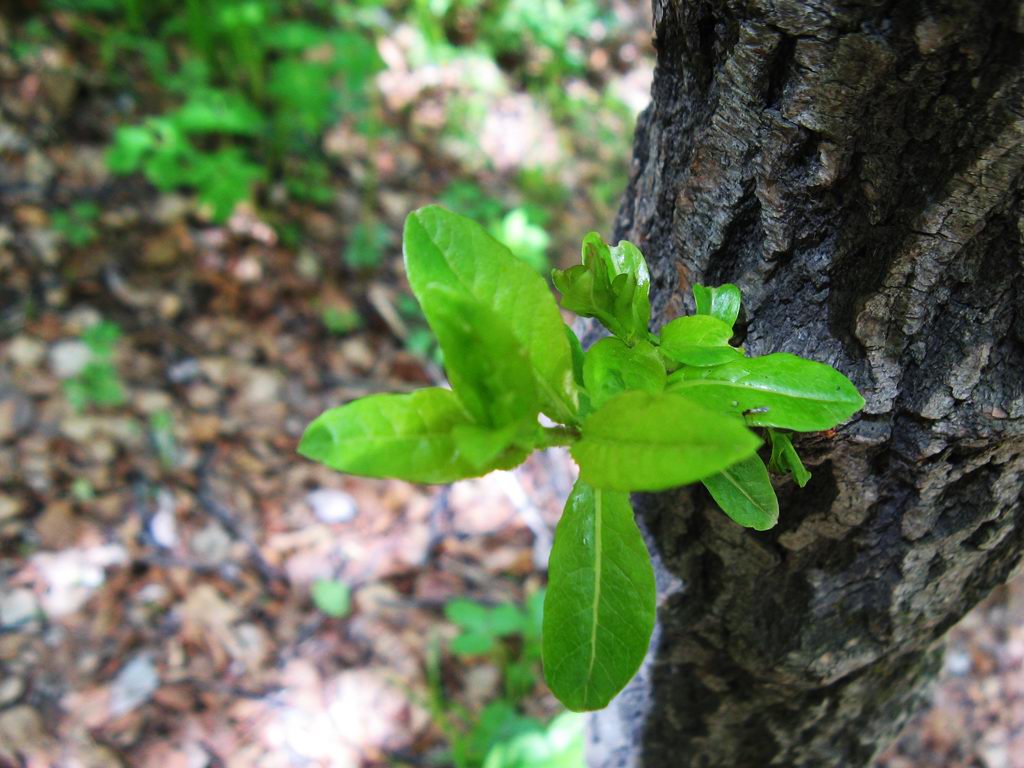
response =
{"points": [[132, 143], [785, 458], [223, 179], [506, 619], [612, 285], [699, 340], [472, 644], [367, 245], [610, 367], [404, 436], [600, 604], [560, 746], [332, 597], [745, 493], [101, 338], [481, 445], [445, 248], [534, 615], [217, 111], [467, 614], [722, 302], [778, 390], [293, 36], [642, 442], [488, 367], [577, 354]]}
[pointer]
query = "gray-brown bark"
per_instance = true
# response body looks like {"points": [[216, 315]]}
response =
{"points": [[856, 167]]}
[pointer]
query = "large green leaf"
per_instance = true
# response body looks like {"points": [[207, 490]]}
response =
{"points": [[642, 442], [745, 493], [600, 604], [722, 302], [699, 340], [487, 365], [778, 390], [445, 248], [611, 367], [404, 436]]}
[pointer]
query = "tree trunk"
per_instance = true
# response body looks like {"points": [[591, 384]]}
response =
{"points": [[856, 168]]}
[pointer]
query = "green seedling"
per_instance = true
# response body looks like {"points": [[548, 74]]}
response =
{"points": [[501, 736], [638, 411], [340, 321], [76, 225], [333, 598], [367, 245], [98, 382]]}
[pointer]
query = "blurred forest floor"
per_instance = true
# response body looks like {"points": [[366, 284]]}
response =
{"points": [[160, 541]]}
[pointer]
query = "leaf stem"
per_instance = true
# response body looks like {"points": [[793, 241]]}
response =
{"points": [[549, 437]]}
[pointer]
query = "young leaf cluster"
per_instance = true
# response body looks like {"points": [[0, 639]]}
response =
{"points": [[638, 411]]}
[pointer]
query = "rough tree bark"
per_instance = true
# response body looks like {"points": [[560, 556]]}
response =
{"points": [[856, 167]]}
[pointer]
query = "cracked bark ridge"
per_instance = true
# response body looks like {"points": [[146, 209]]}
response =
{"points": [[856, 168]]}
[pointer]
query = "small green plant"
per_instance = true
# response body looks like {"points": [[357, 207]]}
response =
{"points": [[76, 225], [98, 382], [501, 736], [82, 490], [483, 631], [333, 598], [520, 228], [340, 321], [638, 411], [256, 87], [367, 245]]}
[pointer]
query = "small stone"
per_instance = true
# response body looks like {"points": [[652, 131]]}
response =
{"points": [[150, 401], [170, 208], [958, 663], [15, 414], [79, 429], [202, 396], [69, 358], [58, 526], [81, 318], [59, 88], [11, 689], [307, 264], [22, 732], [10, 507], [123, 430], [46, 245], [18, 607], [26, 352], [212, 545], [31, 216], [204, 427], [358, 353], [169, 306], [331, 506], [163, 250], [134, 685], [262, 387], [163, 525], [248, 269], [101, 450]]}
